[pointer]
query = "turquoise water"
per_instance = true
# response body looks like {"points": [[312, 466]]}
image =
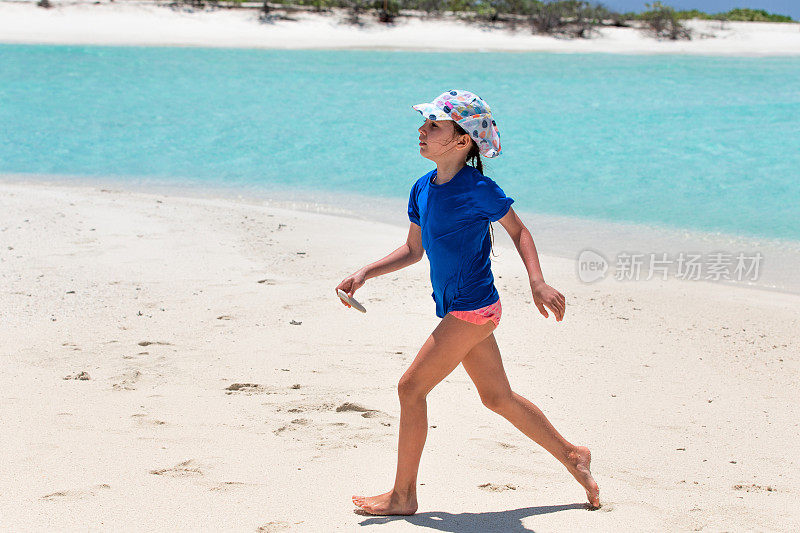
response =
{"points": [[701, 143]]}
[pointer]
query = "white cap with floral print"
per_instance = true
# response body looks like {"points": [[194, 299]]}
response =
{"points": [[470, 112]]}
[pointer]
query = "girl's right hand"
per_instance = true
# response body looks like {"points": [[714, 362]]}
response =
{"points": [[351, 284]]}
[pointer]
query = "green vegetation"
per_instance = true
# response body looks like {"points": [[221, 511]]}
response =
{"points": [[566, 18], [663, 22], [747, 15], [572, 18], [548, 14]]}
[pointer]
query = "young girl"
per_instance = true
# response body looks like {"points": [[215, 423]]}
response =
{"points": [[451, 209]]}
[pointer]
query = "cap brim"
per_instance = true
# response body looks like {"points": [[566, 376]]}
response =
{"points": [[432, 112]]}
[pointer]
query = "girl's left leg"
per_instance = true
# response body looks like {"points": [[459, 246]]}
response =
{"points": [[442, 352], [485, 367]]}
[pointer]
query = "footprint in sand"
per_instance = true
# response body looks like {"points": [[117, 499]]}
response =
{"points": [[146, 420], [244, 388], [348, 406], [159, 343], [493, 487], [127, 381], [374, 413], [184, 469], [302, 407], [282, 429], [272, 527], [293, 425], [82, 376], [227, 486], [76, 494], [365, 412], [755, 488]]}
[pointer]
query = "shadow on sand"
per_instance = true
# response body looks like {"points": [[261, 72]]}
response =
{"points": [[506, 521]]}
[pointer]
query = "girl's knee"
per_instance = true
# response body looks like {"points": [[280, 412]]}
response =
{"points": [[410, 389], [499, 401]]}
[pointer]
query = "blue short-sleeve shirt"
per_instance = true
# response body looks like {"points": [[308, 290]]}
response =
{"points": [[454, 218]]}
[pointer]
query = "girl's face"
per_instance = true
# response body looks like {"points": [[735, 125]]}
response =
{"points": [[438, 141]]}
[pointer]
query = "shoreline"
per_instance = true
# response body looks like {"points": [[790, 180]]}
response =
{"points": [[224, 379], [558, 236], [123, 24]]}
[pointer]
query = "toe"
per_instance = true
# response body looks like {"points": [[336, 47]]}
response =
{"points": [[594, 498]]}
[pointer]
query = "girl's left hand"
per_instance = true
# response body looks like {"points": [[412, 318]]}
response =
{"points": [[545, 295]]}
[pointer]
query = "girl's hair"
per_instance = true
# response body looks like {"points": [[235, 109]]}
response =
{"points": [[473, 159]]}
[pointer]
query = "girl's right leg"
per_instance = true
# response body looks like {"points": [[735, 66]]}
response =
{"points": [[485, 368], [449, 343]]}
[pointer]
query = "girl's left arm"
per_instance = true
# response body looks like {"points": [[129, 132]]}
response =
{"points": [[543, 294]]}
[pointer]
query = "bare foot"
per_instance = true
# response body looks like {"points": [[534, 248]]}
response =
{"points": [[389, 503], [577, 463]]}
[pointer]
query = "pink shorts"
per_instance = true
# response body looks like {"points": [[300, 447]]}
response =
{"points": [[480, 316]]}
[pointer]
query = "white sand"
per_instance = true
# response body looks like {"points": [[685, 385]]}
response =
{"points": [[686, 392], [135, 24]]}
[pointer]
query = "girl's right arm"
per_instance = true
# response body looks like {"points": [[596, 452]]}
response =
{"points": [[407, 254]]}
